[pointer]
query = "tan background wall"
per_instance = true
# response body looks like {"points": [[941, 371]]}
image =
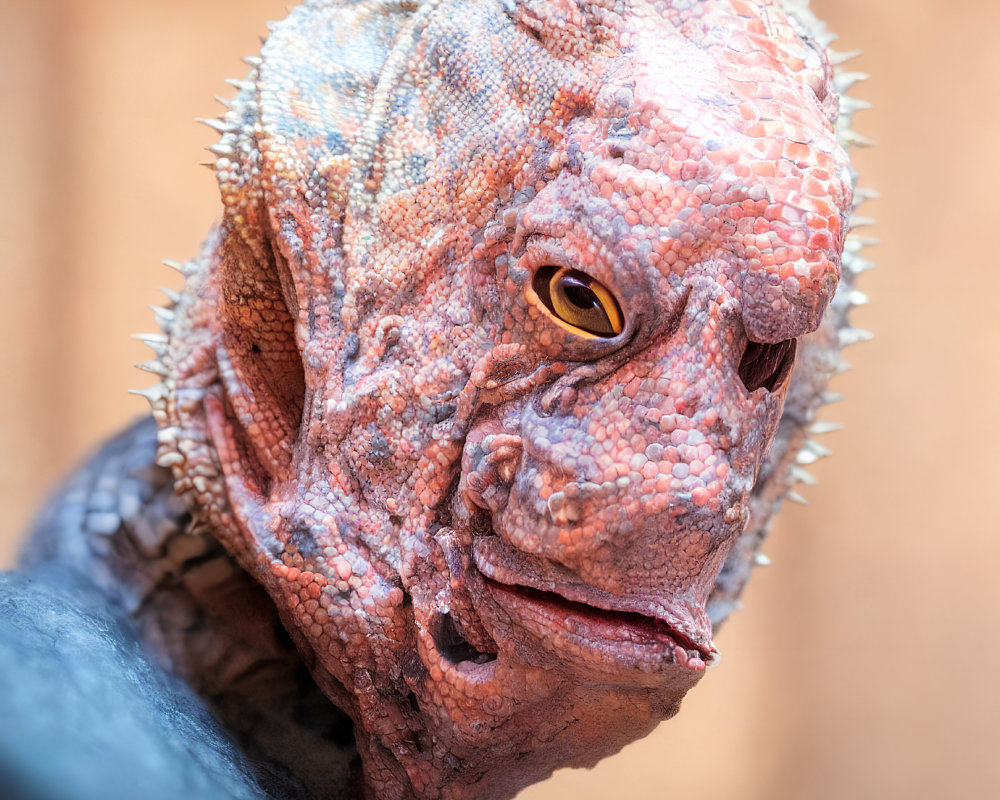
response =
{"points": [[866, 662]]}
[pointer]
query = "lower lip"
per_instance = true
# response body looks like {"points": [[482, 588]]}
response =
{"points": [[593, 625]]}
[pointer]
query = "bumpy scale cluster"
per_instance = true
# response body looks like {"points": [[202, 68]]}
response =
{"points": [[481, 367]]}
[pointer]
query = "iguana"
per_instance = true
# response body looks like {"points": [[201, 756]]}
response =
{"points": [[479, 398]]}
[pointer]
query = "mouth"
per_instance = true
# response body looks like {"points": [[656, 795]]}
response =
{"points": [[576, 617]]}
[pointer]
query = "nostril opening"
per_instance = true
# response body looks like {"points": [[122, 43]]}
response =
{"points": [[767, 365]]}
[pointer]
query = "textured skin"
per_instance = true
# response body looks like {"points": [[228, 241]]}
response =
{"points": [[498, 542], [119, 541]]}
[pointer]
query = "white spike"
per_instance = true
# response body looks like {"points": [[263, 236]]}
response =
{"points": [[863, 195], [849, 336], [151, 338], [821, 427], [860, 222], [222, 149], [154, 394], [855, 297], [242, 85], [803, 476], [838, 58], [852, 105], [851, 138], [158, 346], [841, 367], [843, 81], [172, 296], [761, 560], [155, 366], [163, 312], [829, 398], [795, 497], [253, 61], [826, 38], [164, 317], [218, 125], [817, 449], [805, 458], [856, 242], [856, 265]]}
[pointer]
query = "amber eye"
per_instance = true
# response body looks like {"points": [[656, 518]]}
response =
{"points": [[578, 300]]}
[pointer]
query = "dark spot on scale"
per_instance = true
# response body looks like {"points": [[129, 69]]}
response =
{"points": [[351, 345], [442, 411], [378, 447], [303, 539]]}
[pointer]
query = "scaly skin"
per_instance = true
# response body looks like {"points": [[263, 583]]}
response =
{"points": [[493, 536]]}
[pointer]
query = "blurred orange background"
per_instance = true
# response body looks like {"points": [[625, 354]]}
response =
{"points": [[865, 664]]}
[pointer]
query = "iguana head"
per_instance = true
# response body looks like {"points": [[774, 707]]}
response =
{"points": [[479, 369]]}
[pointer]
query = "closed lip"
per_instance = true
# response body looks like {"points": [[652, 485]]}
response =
{"points": [[586, 614]]}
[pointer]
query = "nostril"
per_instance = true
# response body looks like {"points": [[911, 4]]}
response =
{"points": [[767, 365]]}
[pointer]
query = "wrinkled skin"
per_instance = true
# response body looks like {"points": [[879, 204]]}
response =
{"points": [[491, 534]]}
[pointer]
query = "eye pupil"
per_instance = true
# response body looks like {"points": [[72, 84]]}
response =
{"points": [[578, 294], [579, 301]]}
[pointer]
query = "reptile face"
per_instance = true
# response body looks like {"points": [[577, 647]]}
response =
{"points": [[479, 371]]}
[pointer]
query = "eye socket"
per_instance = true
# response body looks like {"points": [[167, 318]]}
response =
{"points": [[575, 298]]}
